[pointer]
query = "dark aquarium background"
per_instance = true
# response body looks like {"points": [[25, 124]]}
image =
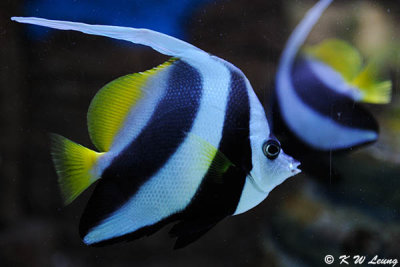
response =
{"points": [[48, 78]]}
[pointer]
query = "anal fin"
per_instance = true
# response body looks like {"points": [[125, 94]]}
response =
{"points": [[190, 230]]}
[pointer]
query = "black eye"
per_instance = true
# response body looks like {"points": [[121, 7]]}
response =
{"points": [[271, 149]]}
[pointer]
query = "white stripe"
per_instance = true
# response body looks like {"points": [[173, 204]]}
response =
{"points": [[172, 188]]}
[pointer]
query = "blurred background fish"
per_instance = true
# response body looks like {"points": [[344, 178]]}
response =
{"points": [[328, 79], [316, 106], [47, 85]]}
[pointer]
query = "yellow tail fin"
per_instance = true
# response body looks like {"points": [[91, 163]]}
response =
{"points": [[74, 165], [374, 90]]}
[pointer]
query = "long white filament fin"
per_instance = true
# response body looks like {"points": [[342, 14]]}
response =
{"points": [[299, 36], [160, 42]]}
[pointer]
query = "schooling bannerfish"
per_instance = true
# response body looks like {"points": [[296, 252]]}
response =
{"points": [[187, 141], [316, 91]]}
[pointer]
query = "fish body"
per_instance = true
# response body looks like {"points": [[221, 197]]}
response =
{"points": [[323, 118], [317, 93], [185, 142]]}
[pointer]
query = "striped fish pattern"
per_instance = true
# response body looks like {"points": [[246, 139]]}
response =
{"points": [[186, 142], [316, 92]]}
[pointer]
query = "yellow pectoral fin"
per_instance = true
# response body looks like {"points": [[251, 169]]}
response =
{"points": [[339, 55], [112, 104], [373, 91], [210, 158]]}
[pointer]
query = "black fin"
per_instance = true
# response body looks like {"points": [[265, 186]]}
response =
{"points": [[188, 231]]}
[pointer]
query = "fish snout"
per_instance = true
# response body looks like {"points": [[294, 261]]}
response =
{"points": [[293, 166]]}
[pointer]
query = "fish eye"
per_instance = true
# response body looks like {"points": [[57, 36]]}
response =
{"points": [[271, 149]]}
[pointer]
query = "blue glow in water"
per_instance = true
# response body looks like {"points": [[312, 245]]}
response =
{"points": [[166, 16]]}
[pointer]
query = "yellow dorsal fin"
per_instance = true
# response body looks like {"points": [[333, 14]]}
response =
{"points": [[112, 103], [373, 90], [338, 54]]}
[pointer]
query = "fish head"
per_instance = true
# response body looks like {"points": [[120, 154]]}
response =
{"points": [[271, 166]]}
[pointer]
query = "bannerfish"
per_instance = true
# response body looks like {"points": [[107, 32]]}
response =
{"points": [[318, 92], [185, 142]]}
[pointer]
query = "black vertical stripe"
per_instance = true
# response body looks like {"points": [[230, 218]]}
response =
{"points": [[326, 101], [213, 198], [145, 155]]}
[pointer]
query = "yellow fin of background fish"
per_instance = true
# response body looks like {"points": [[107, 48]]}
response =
{"points": [[346, 60], [112, 103], [339, 55], [74, 165], [373, 91], [211, 158]]}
